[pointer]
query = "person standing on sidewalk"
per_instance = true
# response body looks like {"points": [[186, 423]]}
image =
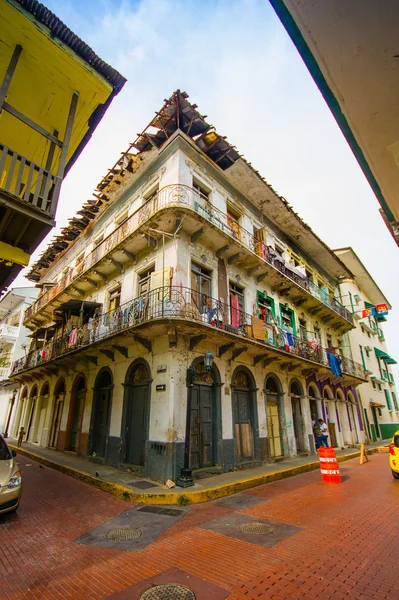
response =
{"points": [[324, 434], [20, 437]]}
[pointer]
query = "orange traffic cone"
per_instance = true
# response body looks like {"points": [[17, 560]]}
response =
{"points": [[329, 468]]}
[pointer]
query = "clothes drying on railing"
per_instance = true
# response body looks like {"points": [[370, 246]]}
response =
{"points": [[335, 364], [73, 337], [235, 310]]}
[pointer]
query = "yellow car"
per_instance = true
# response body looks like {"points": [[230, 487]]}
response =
{"points": [[394, 455], [10, 479]]}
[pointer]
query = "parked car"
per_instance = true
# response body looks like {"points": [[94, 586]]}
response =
{"points": [[10, 479], [394, 455]]}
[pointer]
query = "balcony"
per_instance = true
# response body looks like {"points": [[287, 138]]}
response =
{"points": [[235, 330], [4, 373], [228, 239], [8, 334]]}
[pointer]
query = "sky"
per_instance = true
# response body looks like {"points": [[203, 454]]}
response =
{"points": [[237, 63]]}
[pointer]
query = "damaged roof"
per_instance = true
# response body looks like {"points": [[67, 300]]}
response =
{"points": [[178, 114]]}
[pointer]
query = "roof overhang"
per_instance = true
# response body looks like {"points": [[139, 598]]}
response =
{"points": [[351, 50], [362, 276]]}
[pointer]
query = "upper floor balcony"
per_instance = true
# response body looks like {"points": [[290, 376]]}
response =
{"points": [[8, 334], [4, 372], [226, 237], [197, 317]]}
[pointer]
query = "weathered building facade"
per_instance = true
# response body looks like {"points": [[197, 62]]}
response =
{"points": [[188, 251], [378, 396]]}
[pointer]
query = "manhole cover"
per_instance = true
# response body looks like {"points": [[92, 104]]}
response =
{"points": [[168, 591], [122, 534], [256, 527]]}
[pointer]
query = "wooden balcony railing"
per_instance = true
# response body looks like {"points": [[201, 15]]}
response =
{"points": [[182, 304], [27, 181], [185, 197]]}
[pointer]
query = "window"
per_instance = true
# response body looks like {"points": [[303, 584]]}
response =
{"points": [[388, 399], [303, 334], [144, 281], [236, 294], [278, 250], [201, 283], [287, 319], [373, 382], [363, 329], [232, 222], [122, 217], [317, 334], [260, 241], [395, 401], [379, 387], [367, 350], [114, 298], [329, 340], [266, 308], [151, 194], [202, 192], [99, 238]]}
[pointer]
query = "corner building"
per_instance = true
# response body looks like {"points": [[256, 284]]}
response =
{"points": [[186, 249]]}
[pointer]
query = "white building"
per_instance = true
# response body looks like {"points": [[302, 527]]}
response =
{"points": [[187, 249], [14, 342], [378, 396]]}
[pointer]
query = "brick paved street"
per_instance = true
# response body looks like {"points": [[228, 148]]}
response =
{"points": [[343, 543]]}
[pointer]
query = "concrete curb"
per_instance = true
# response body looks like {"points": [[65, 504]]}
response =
{"points": [[181, 497]]}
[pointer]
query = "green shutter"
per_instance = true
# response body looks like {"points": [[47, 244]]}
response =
{"points": [[351, 301], [389, 405], [395, 402], [362, 355]]}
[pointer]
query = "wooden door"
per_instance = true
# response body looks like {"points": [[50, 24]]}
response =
{"points": [[101, 421], [273, 428], [56, 422], [76, 418], [298, 423], [243, 429], [136, 428], [333, 435], [201, 427]]}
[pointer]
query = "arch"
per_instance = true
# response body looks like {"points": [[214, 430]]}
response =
{"points": [[136, 412], [33, 391], [245, 415], [276, 432], [313, 391], [296, 388], [75, 413], [273, 385], [340, 395], [45, 389], [101, 412], [327, 393], [24, 393], [59, 387], [204, 404]]}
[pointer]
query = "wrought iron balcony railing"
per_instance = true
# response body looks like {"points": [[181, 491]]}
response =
{"points": [[182, 304], [185, 197], [27, 181]]}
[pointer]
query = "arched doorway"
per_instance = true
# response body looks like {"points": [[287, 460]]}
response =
{"points": [[76, 407], [273, 393], [204, 416], [136, 412], [101, 412], [59, 396], [343, 416], [330, 418], [244, 414], [296, 393], [30, 411]]}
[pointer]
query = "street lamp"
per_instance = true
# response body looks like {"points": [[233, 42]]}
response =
{"points": [[208, 361], [186, 477]]}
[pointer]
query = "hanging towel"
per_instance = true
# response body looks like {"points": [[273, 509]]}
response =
{"points": [[235, 310], [334, 364]]}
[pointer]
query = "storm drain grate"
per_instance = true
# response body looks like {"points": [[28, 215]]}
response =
{"points": [[256, 527], [123, 534], [168, 591]]}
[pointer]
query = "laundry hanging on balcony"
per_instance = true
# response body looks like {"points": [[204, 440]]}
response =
{"points": [[335, 364]]}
